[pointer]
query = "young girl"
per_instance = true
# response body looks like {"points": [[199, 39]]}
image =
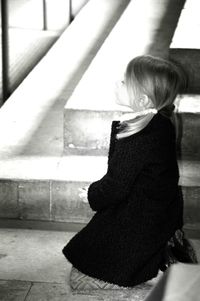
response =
{"points": [[137, 228]]}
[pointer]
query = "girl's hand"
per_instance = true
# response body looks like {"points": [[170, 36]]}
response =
{"points": [[83, 194]]}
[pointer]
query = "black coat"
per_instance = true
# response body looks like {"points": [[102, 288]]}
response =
{"points": [[138, 208]]}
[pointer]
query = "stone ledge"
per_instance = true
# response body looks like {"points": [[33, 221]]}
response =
{"points": [[76, 169], [180, 282], [87, 132], [46, 194], [192, 230], [26, 48]]}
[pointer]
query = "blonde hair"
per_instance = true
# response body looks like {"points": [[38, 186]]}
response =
{"points": [[160, 80]]}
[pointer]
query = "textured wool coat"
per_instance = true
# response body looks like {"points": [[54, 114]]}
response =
{"points": [[138, 207]]}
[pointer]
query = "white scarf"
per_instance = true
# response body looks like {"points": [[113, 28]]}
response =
{"points": [[135, 122]]}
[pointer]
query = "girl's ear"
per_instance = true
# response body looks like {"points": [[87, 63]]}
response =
{"points": [[145, 101]]}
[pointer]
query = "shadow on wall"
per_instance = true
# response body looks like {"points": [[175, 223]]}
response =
{"points": [[163, 36], [189, 60]]}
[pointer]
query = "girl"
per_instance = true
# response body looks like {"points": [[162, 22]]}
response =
{"points": [[136, 230]]}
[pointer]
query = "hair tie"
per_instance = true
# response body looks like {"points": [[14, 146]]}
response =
{"points": [[167, 111]]}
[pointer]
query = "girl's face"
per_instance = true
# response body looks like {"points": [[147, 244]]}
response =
{"points": [[121, 94], [123, 99]]}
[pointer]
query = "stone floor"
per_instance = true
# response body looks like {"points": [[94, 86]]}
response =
{"points": [[32, 268], [32, 265]]}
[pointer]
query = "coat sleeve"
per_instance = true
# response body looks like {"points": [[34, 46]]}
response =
{"points": [[124, 166]]}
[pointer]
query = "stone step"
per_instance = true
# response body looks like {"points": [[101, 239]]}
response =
{"points": [[171, 284], [185, 46], [31, 120], [188, 113], [26, 48], [87, 129], [48, 189], [33, 115]]}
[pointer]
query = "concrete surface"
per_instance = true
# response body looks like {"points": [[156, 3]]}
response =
{"points": [[34, 256], [32, 265], [179, 283]]}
